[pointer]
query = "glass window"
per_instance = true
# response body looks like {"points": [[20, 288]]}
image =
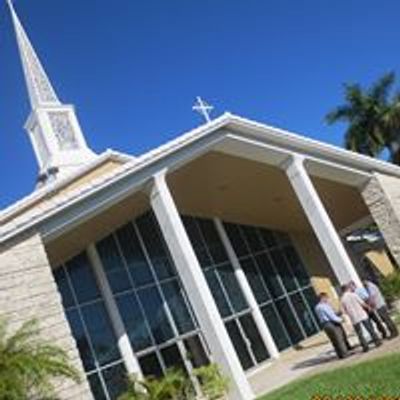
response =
{"points": [[217, 293], [251, 331], [197, 241], [149, 231], [268, 238], [283, 270], [276, 327], [297, 266], [113, 264], [134, 321], [239, 344], [304, 314], [63, 287], [232, 287], [97, 387], [150, 365], [155, 313], [115, 378], [236, 239], [253, 276], [214, 243], [178, 306], [134, 257], [291, 325], [101, 335], [253, 238], [269, 274], [81, 339], [196, 352], [82, 278], [172, 357]]}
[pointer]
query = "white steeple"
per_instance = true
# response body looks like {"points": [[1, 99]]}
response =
{"points": [[53, 127]]}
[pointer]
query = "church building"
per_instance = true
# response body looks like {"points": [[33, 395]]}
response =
{"points": [[209, 248]]}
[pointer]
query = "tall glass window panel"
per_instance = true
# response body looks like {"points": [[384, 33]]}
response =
{"points": [[289, 320], [232, 288], [283, 270], [253, 276], [214, 243], [253, 336], [217, 292], [153, 305], [134, 321], [82, 278], [276, 327], [239, 344], [113, 264], [101, 334], [136, 261], [155, 246], [270, 275], [297, 266], [304, 314], [150, 365], [196, 352], [178, 306]]}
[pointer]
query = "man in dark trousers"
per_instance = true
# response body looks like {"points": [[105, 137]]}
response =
{"points": [[332, 326], [378, 304]]}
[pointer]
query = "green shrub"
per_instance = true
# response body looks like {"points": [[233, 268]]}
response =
{"points": [[213, 384], [391, 286], [28, 364], [176, 385]]}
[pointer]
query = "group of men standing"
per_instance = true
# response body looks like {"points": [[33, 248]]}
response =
{"points": [[365, 306]]}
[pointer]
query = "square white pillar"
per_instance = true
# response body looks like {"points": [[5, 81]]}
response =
{"points": [[320, 222], [196, 287]]}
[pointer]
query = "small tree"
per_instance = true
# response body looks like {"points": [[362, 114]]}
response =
{"points": [[28, 364]]}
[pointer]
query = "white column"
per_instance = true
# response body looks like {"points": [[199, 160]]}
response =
{"points": [[131, 363], [196, 286], [320, 222], [248, 292]]}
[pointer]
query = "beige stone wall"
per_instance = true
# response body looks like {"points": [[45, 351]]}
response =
{"points": [[322, 276], [28, 290], [382, 196]]}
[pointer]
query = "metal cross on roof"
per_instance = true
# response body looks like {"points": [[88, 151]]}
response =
{"points": [[203, 108]]}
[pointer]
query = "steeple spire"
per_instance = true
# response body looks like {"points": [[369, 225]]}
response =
{"points": [[40, 89], [53, 127]]}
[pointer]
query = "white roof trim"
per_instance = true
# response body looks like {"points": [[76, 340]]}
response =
{"points": [[283, 139]]}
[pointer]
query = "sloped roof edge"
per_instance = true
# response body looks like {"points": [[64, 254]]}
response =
{"points": [[228, 121]]}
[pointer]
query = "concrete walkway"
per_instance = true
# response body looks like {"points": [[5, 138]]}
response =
{"points": [[313, 356]]}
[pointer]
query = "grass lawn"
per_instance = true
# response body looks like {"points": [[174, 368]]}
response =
{"points": [[375, 379]]}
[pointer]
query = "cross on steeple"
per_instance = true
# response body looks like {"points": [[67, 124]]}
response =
{"points": [[203, 108]]}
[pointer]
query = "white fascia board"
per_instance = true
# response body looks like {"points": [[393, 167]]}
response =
{"points": [[311, 147], [56, 222], [262, 151]]}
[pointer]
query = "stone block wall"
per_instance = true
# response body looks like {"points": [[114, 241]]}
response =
{"points": [[28, 290], [382, 196]]}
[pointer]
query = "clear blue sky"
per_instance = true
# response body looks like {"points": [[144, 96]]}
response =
{"points": [[133, 68]]}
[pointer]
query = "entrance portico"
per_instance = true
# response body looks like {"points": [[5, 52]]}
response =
{"points": [[249, 219]]}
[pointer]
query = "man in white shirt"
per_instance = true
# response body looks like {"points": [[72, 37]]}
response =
{"points": [[356, 308], [377, 302]]}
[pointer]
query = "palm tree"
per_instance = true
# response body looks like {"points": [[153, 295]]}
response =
{"points": [[373, 117], [28, 365]]}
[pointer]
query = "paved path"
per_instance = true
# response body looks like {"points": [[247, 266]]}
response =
{"points": [[314, 356]]}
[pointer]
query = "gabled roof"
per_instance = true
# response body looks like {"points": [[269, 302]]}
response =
{"points": [[15, 220]]}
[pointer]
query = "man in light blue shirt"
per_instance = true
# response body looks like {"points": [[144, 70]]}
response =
{"points": [[331, 323]]}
